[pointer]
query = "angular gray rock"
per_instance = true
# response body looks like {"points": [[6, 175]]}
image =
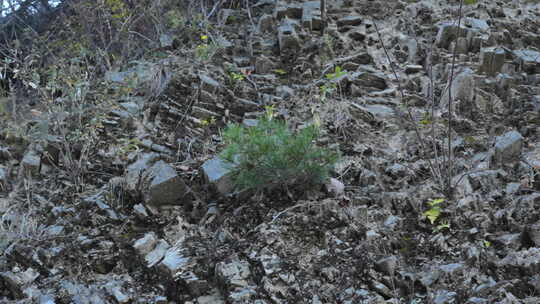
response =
{"points": [[387, 265], [353, 20], [289, 10], [208, 84], [233, 273], [492, 60], [371, 80], [447, 33], [31, 162], [263, 65], [508, 147], [412, 68], [145, 244], [266, 23], [311, 15], [165, 187], [288, 38], [18, 281], [134, 172], [284, 92], [462, 89], [217, 172], [529, 60]]}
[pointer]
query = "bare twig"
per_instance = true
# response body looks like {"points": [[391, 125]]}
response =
{"points": [[450, 164], [402, 96], [443, 171]]}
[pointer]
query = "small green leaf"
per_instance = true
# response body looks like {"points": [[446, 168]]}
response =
{"points": [[425, 122], [470, 2], [486, 243], [443, 226], [436, 202], [432, 214]]}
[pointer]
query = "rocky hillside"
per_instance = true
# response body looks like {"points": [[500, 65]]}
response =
{"points": [[112, 189]]}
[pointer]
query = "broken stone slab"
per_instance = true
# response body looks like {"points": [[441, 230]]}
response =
{"points": [[174, 262], [263, 65], [217, 172], [353, 20], [245, 295], [249, 122], [165, 186], [387, 265], [366, 79], [533, 232], [289, 10], [208, 84], [529, 60], [195, 285], [140, 211], [462, 88], [134, 172], [288, 38], [242, 61], [233, 273], [448, 32], [266, 23], [214, 298], [359, 58], [413, 68], [284, 92], [165, 40], [146, 244], [476, 24], [156, 255], [527, 262], [357, 35], [312, 16], [492, 60], [508, 147], [81, 293], [460, 46], [18, 281]]}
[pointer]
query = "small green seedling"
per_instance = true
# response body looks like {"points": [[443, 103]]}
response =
{"points": [[280, 72], [337, 73], [235, 77], [331, 86], [433, 213], [426, 120]]}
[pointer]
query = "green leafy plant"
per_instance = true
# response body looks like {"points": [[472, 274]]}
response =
{"points": [[280, 72], [327, 89], [337, 73], [270, 155], [331, 86], [433, 213], [235, 78]]}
